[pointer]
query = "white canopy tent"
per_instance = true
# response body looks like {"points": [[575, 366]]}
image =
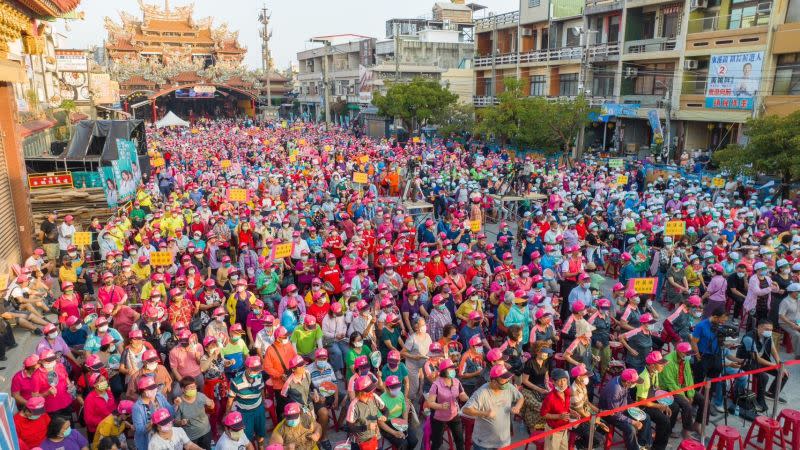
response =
{"points": [[171, 120]]}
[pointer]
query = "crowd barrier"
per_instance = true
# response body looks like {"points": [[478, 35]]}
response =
{"points": [[706, 385]]}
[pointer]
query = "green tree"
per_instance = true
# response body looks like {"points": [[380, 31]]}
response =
{"points": [[773, 148], [533, 122], [457, 118], [415, 102]]}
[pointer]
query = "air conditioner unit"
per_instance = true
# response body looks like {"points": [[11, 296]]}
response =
{"points": [[631, 72], [697, 4], [764, 8], [527, 32], [690, 64]]}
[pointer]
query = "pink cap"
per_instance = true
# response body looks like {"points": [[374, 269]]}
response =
{"points": [[583, 277], [578, 306], [236, 328], [47, 355], [619, 287], [475, 315], [162, 417], [445, 364], [603, 303], [435, 348], [208, 340], [252, 362], [499, 372], [292, 410], [296, 361], [125, 407], [694, 300], [393, 355], [361, 361], [629, 375], [321, 353], [233, 420], [309, 321], [654, 357], [475, 341], [150, 355], [392, 381], [541, 312], [578, 370], [36, 405], [364, 384], [630, 293], [31, 361], [494, 354], [146, 383], [280, 332], [684, 347], [646, 318], [49, 328]]}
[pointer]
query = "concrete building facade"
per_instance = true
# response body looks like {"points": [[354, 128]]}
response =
{"points": [[696, 68]]}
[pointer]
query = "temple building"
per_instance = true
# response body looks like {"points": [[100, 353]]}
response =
{"points": [[167, 60]]}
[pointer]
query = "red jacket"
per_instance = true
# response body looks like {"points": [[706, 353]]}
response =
{"points": [[97, 408]]}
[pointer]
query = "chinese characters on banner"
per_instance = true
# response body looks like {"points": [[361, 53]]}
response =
{"points": [[733, 80]]}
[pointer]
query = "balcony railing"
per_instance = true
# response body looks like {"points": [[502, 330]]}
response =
{"points": [[601, 6], [554, 54], [728, 22], [661, 44], [604, 50], [497, 21], [479, 100]]}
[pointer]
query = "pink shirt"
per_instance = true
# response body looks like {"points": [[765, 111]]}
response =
{"points": [[43, 380], [96, 408], [184, 361], [114, 295], [22, 384], [444, 394]]}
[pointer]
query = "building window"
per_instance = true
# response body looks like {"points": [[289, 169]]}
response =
{"points": [[603, 83], [613, 29], [534, 3], [672, 23], [538, 85], [653, 79], [568, 85], [573, 36], [787, 75], [746, 14]]}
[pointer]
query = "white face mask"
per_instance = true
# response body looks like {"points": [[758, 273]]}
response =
{"points": [[52, 335], [102, 329], [151, 366], [49, 366]]}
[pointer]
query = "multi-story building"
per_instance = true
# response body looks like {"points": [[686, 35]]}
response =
{"points": [[342, 62], [702, 67]]}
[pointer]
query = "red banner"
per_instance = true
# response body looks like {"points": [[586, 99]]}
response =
{"points": [[50, 179]]}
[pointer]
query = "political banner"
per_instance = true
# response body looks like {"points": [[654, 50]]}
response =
{"points": [[127, 170], [82, 238], [733, 80], [360, 177], [110, 187], [655, 126], [675, 228], [616, 163], [644, 286], [237, 195], [282, 250], [160, 258], [718, 182]]}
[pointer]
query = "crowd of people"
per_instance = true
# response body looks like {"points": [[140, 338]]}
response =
{"points": [[296, 303]]}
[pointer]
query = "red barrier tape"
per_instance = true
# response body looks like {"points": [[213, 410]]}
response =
{"points": [[611, 412]]}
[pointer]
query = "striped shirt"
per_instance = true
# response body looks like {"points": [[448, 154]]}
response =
{"points": [[247, 394]]}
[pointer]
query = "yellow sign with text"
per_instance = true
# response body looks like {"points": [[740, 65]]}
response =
{"points": [[415, 140], [363, 159], [82, 238], [675, 228], [622, 180], [237, 195], [475, 226], [301, 142], [360, 177], [160, 259], [282, 250], [157, 162], [646, 286], [225, 163], [718, 182], [327, 148]]}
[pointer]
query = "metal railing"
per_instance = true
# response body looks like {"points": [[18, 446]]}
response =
{"points": [[553, 54], [661, 44], [604, 50], [728, 22], [478, 100], [497, 20]]}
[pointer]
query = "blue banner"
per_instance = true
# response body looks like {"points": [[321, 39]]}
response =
{"points": [[655, 126], [733, 80]]}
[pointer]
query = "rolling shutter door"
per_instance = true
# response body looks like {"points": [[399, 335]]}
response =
{"points": [[9, 246]]}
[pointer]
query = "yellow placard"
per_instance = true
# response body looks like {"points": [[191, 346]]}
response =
{"points": [[160, 259], [282, 250], [622, 180], [415, 140], [82, 238], [360, 177], [327, 148], [3, 281], [363, 159], [284, 124], [225, 163], [718, 182], [645, 286], [675, 228], [157, 162], [475, 226], [237, 195], [301, 142], [292, 158]]}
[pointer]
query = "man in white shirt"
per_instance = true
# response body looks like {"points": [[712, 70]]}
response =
{"points": [[65, 232]]}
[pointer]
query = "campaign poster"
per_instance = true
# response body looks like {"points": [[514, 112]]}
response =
{"points": [[733, 80], [110, 186]]}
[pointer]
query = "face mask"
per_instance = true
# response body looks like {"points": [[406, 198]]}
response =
{"points": [[358, 344], [236, 435], [52, 335], [151, 366], [236, 338], [561, 389], [220, 319], [451, 373], [740, 274], [150, 393], [586, 381], [394, 392], [35, 417], [67, 432], [190, 393], [49, 366], [101, 386], [292, 422], [506, 386], [479, 350], [165, 428], [767, 334], [102, 329]]}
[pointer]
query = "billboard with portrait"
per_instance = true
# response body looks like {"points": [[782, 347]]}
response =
{"points": [[733, 80]]}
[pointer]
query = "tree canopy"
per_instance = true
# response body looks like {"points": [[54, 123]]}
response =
{"points": [[415, 102], [773, 148], [533, 122]]}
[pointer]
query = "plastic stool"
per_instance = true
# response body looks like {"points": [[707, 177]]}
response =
{"points": [[690, 444], [427, 434], [610, 438], [762, 434], [726, 438], [790, 427]]}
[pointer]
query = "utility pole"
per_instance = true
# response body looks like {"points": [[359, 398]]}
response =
{"points": [[396, 52], [667, 152], [326, 51], [266, 59], [582, 75]]}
